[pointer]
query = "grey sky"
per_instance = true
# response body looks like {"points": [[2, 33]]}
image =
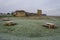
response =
{"points": [[49, 7]]}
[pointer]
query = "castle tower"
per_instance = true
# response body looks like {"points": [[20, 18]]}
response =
{"points": [[39, 12]]}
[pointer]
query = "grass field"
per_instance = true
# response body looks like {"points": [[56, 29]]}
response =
{"points": [[30, 28]]}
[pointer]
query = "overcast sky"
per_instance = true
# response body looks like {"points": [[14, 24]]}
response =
{"points": [[50, 7]]}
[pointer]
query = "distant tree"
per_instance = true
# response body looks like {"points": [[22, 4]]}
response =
{"points": [[8, 13], [44, 15], [1, 13], [12, 13]]}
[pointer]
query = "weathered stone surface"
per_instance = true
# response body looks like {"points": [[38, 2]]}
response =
{"points": [[50, 25], [10, 23], [6, 19]]}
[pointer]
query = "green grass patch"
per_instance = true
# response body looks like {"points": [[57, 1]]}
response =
{"points": [[29, 27]]}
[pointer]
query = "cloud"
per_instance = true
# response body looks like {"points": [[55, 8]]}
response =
{"points": [[22, 4]]}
